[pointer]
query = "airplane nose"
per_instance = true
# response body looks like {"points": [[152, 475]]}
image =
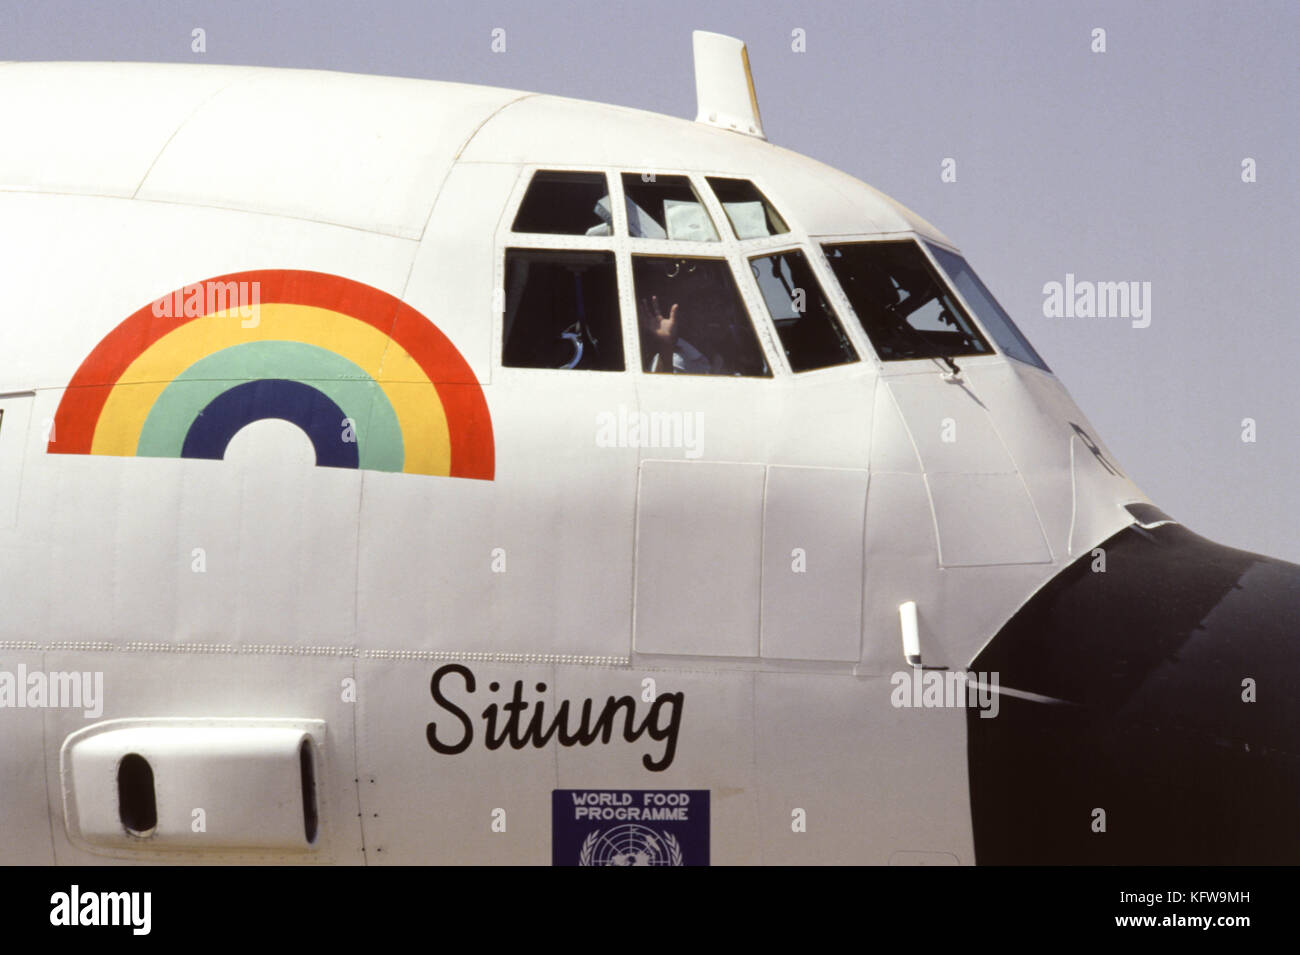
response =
{"points": [[1149, 711]]}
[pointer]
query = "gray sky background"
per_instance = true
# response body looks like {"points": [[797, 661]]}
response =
{"points": [[1121, 166]]}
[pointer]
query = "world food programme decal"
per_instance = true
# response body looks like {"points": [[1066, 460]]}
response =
{"points": [[630, 827]]}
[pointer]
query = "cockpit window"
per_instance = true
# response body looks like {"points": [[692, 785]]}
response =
{"points": [[748, 210], [561, 311], [903, 305], [566, 203], [810, 332], [991, 315], [665, 207], [692, 318]]}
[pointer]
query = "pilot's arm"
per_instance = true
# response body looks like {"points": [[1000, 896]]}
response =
{"points": [[663, 334]]}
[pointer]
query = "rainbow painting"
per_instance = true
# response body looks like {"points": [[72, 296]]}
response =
{"points": [[371, 382]]}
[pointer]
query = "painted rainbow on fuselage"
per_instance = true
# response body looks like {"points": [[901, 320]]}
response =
{"points": [[372, 382]]}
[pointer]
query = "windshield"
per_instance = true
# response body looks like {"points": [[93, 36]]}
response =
{"points": [[810, 332], [990, 314], [904, 306]]}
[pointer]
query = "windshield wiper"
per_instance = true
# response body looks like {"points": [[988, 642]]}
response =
{"points": [[900, 315]]}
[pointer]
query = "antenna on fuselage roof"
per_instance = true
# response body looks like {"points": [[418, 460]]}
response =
{"points": [[724, 86]]}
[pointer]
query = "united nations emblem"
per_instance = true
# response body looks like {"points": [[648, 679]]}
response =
{"points": [[630, 845], [630, 827]]}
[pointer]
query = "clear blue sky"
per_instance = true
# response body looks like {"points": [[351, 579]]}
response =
{"points": [[1119, 166]]}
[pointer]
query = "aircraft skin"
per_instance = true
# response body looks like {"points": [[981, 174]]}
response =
{"points": [[422, 631]]}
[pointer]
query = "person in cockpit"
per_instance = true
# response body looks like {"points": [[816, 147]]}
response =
{"points": [[672, 353]]}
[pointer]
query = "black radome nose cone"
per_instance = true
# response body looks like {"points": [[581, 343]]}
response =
{"points": [[1150, 713]]}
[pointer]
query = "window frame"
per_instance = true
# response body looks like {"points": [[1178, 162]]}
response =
{"points": [[790, 230], [737, 253], [727, 248], [760, 331], [856, 329], [859, 357], [517, 203], [695, 183], [500, 332], [507, 239], [972, 314]]}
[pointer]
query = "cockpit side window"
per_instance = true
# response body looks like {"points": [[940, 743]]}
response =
{"points": [[665, 207], [566, 203], [561, 310], [991, 315], [904, 306], [748, 210], [692, 318], [810, 332]]}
